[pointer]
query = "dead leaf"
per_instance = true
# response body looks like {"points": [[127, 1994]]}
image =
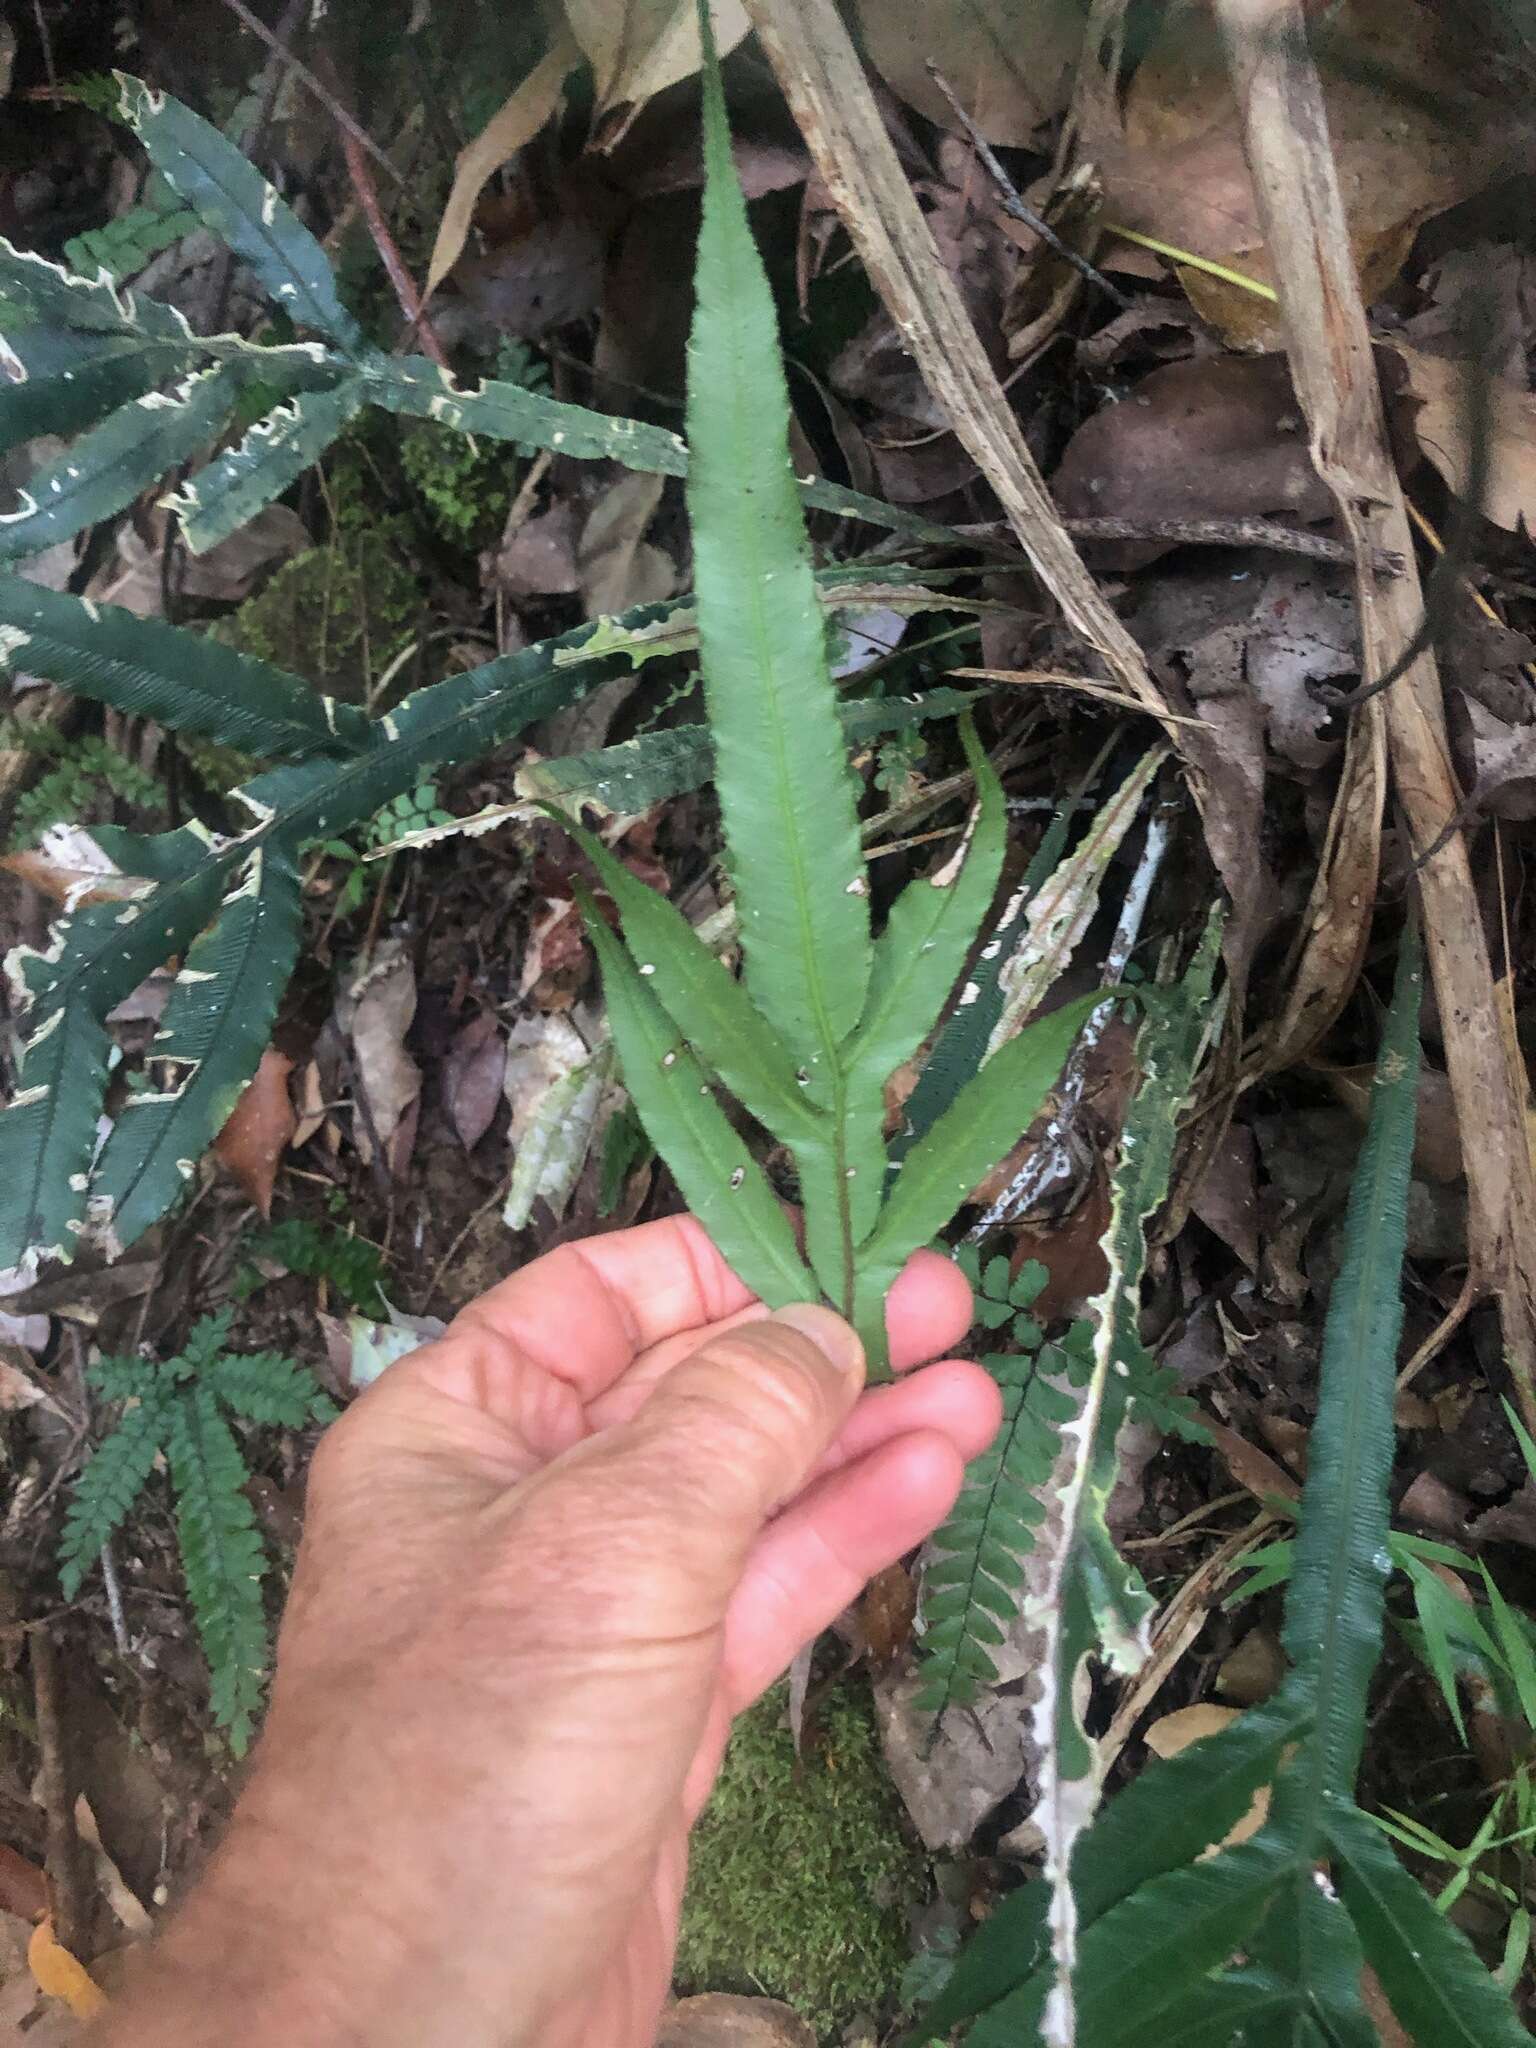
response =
{"points": [[637, 48], [950, 1784], [554, 1083], [615, 566], [311, 1106], [1440, 426], [1251, 1467], [886, 1613], [539, 559], [1436, 1134], [69, 867], [125, 1903], [1226, 1199], [259, 1129], [1175, 1733], [378, 1010], [720, 2019], [472, 1076], [134, 576], [23, 1887], [1253, 1672], [1215, 437], [58, 1973], [1009, 62], [516, 121], [1410, 135]]}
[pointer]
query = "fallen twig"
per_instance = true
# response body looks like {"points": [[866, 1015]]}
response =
{"points": [[321, 91], [378, 227], [1295, 178], [56, 1788], [1233, 533], [1012, 204]]}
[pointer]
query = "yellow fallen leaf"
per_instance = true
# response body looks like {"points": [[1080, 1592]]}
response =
{"points": [[57, 1973]]}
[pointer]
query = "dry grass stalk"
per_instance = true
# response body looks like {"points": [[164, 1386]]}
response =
{"points": [[1296, 183]]}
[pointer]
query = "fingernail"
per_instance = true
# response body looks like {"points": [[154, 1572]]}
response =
{"points": [[833, 1338]]}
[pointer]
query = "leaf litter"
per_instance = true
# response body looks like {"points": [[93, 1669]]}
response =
{"points": [[948, 359]]}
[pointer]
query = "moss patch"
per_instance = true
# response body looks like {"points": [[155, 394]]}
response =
{"points": [[802, 1879]]}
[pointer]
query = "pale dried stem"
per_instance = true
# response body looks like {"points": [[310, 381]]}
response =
{"points": [[821, 77], [1295, 179]]}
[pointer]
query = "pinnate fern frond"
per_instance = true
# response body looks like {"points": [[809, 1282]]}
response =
{"points": [[265, 1387], [108, 1487], [221, 1555]]}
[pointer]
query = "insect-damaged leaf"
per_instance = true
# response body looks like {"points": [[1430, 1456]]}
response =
{"points": [[234, 486], [185, 681], [228, 194], [721, 1182], [216, 1025], [786, 793], [1087, 1599]]}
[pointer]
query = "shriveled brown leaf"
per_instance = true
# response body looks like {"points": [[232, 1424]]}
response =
{"points": [[1217, 437], [1437, 384], [1409, 131], [539, 559], [616, 567], [472, 1075], [1436, 1136], [259, 1129], [1009, 62], [1255, 1670], [69, 867], [637, 48], [378, 1009], [133, 576], [516, 121], [721, 2019], [1226, 1199]]}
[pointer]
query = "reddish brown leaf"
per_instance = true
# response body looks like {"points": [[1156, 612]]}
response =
{"points": [[259, 1129]]}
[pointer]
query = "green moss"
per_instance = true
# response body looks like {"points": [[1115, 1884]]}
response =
{"points": [[335, 615], [802, 1879], [465, 485]]}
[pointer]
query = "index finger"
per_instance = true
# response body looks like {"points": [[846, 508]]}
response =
{"points": [[584, 1312]]}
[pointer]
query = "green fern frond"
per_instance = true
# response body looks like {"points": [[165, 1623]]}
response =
{"points": [[110, 1484], [221, 1555], [971, 1587], [264, 1387]]}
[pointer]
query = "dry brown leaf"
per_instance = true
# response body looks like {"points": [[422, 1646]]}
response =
{"points": [[311, 1106], [820, 75], [61, 1975], [1010, 62], [379, 1008], [637, 48], [259, 1128], [951, 1780], [1440, 425], [1226, 1197], [1174, 1733], [518, 119], [1255, 1670], [1436, 1137], [1216, 437], [68, 866], [539, 559], [133, 576], [472, 1075], [721, 2019], [1409, 135], [615, 565]]}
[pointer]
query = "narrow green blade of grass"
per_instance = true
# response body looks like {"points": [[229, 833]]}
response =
{"points": [[786, 791]]}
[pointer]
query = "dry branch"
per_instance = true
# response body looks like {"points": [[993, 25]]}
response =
{"points": [[1295, 178]]}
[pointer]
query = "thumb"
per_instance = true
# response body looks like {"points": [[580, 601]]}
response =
{"points": [[727, 1437]]}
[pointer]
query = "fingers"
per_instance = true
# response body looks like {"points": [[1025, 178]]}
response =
{"points": [[928, 1310], [823, 1551], [954, 1397], [655, 1518], [583, 1313]]}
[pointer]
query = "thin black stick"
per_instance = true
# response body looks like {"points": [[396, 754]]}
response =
{"points": [[1014, 205]]}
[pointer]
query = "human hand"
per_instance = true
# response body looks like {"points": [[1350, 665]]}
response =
{"points": [[546, 1560]]}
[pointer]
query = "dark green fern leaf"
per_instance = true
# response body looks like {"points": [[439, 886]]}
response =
{"points": [[265, 1387], [110, 1484], [221, 1555]]}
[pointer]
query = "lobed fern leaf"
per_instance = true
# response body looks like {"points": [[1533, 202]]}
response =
{"points": [[221, 1555], [112, 1481], [265, 1387]]}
